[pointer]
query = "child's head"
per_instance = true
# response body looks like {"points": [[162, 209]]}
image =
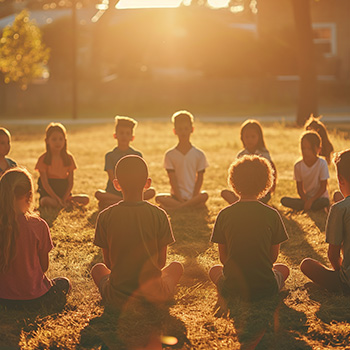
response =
{"points": [[252, 135], [182, 117], [342, 163], [56, 140], [131, 173], [16, 196], [310, 143], [183, 124], [316, 125], [251, 176], [5, 142], [124, 130]]}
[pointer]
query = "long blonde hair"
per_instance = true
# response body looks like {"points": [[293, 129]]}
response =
{"points": [[14, 184]]}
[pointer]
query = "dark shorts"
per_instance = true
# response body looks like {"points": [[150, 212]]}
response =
{"points": [[59, 186], [56, 295]]}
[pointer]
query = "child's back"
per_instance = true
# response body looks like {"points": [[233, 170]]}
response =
{"points": [[24, 246], [24, 280], [134, 236], [132, 233], [249, 234], [248, 229]]}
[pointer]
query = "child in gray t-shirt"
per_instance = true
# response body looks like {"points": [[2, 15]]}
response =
{"points": [[336, 279]]}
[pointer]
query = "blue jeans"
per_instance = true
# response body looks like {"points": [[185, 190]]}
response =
{"points": [[298, 203]]}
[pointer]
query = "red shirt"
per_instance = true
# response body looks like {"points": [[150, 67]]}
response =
{"points": [[25, 279]]}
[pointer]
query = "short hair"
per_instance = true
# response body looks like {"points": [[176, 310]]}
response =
{"points": [[125, 122], [131, 172], [182, 116], [4, 131], [252, 124], [251, 175], [341, 161], [313, 138]]}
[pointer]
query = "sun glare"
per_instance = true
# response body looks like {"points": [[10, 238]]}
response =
{"points": [[130, 4], [218, 3]]}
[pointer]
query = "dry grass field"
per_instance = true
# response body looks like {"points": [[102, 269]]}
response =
{"points": [[302, 317]]}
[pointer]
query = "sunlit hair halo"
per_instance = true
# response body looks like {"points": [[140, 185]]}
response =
{"points": [[15, 183], [252, 124], [251, 175]]}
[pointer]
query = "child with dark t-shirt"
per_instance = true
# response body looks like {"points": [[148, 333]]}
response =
{"points": [[124, 133], [249, 234], [134, 236]]}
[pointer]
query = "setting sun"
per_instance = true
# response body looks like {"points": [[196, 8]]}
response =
{"points": [[129, 4]]}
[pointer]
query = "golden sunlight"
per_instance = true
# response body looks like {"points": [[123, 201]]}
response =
{"points": [[129, 4]]}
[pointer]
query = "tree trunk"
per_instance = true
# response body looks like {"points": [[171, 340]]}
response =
{"points": [[308, 89]]}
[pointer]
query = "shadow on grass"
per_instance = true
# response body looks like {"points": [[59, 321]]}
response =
{"points": [[268, 324], [333, 306], [26, 317], [134, 327], [49, 214], [297, 247], [192, 233], [319, 218], [334, 313]]}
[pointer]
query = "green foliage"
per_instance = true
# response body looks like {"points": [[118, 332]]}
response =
{"points": [[23, 55]]}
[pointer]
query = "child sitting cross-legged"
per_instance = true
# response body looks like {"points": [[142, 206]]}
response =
{"points": [[336, 279], [134, 236], [185, 165], [311, 175], [249, 234], [124, 133], [25, 243]]}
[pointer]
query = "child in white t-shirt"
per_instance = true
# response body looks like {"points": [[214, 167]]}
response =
{"points": [[185, 165], [311, 175]]}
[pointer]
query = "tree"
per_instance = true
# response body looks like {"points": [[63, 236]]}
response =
{"points": [[308, 93], [23, 55]]}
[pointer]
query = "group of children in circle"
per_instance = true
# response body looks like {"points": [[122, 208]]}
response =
{"points": [[134, 234]]}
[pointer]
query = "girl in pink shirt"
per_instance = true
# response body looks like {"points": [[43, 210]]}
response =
{"points": [[56, 167], [25, 242]]}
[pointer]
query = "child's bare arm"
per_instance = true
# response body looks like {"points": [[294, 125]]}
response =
{"points": [[301, 192], [274, 251], [106, 258], [319, 193], [174, 185], [222, 253], [70, 185], [110, 173], [162, 257], [199, 183], [334, 256]]}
